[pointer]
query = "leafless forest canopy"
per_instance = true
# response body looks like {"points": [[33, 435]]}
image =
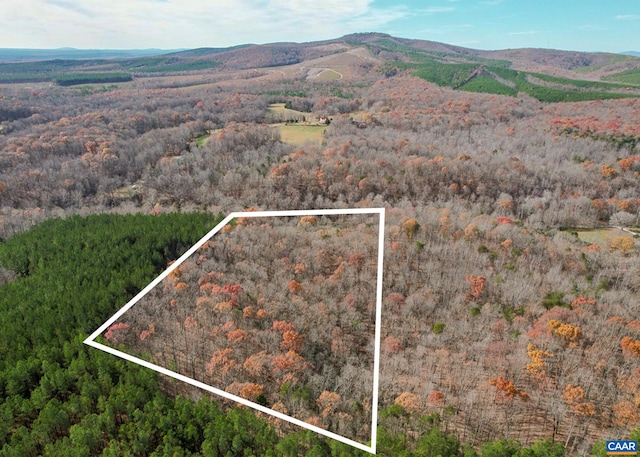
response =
{"points": [[280, 311], [509, 307]]}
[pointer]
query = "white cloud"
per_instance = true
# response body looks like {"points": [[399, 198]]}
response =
{"points": [[628, 17], [187, 23], [528, 32]]}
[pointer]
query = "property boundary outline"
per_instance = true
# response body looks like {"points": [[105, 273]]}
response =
{"points": [[90, 340]]}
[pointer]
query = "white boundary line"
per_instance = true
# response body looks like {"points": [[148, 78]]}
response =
{"points": [[90, 340]]}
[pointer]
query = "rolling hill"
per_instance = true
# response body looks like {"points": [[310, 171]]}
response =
{"points": [[546, 74]]}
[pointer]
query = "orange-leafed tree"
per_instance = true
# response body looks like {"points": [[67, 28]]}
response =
{"points": [[289, 362], [575, 397], [308, 221], [537, 367], [630, 346], [478, 285], [248, 312], [221, 362], [507, 390], [410, 227], [581, 300], [608, 171], [257, 365], [622, 244], [566, 332], [151, 329], [410, 402], [237, 335], [251, 391], [117, 332], [471, 232], [626, 414], [291, 340], [282, 326], [357, 260], [328, 402], [435, 398], [294, 287]]}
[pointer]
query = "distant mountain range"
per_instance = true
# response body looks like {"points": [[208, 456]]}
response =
{"points": [[563, 59], [546, 74]]}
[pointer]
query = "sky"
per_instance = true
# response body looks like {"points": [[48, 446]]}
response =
{"points": [[580, 25]]}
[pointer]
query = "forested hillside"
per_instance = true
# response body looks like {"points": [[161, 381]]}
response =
{"points": [[60, 397], [511, 276], [241, 314]]}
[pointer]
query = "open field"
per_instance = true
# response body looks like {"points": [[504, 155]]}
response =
{"points": [[295, 133], [281, 109], [300, 134], [328, 75], [278, 113], [201, 140]]}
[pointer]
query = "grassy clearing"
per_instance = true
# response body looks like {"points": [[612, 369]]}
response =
{"points": [[127, 192], [328, 75], [201, 140], [278, 113], [602, 237], [299, 134], [280, 108]]}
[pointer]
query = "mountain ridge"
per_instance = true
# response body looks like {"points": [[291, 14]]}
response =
{"points": [[529, 59], [547, 74], [363, 38]]}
